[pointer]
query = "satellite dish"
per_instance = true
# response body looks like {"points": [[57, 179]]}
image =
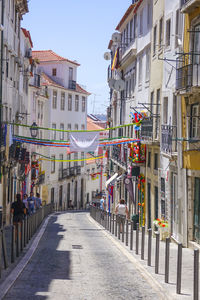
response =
{"points": [[116, 37], [119, 85], [111, 83], [107, 56]]}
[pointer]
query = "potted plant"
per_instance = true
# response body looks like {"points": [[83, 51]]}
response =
{"points": [[135, 219]]}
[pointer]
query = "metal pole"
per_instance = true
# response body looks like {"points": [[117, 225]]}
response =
{"points": [[142, 243], [131, 236], [116, 225], [179, 269], [167, 260], [157, 252], [110, 222], [22, 235], [119, 226], [122, 229], [0, 253], [137, 239], [126, 232], [13, 245], [196, 275], [149, 246], [113, 224], [5, 257]]}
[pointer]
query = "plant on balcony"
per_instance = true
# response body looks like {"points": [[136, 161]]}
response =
{"points": [[160, 223]]}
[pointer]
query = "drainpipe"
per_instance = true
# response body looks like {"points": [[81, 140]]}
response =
{"points": [[1, 93]]}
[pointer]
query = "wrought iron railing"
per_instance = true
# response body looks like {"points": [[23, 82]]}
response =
{"points": [[121, 158], [147, 129], [188, 71], [168, 139]]}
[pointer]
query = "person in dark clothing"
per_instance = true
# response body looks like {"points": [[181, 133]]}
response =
{"points": [[18, 210]]}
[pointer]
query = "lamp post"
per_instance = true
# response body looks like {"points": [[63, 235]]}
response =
{"points": [[34, 130]]}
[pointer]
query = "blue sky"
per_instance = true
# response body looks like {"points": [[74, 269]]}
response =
{"points": [[78, 30]]}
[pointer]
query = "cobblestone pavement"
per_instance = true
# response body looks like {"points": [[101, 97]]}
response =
{"points": [[75, 260]]}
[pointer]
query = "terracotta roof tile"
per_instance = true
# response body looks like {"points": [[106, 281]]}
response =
{"points": [[50, 56], [27, 34]]}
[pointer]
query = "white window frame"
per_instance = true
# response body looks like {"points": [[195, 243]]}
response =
{"points": [[76, 102], [62, 101], [54, 102], [53, 165], [69, 102], [53, 131], [61, 132]]}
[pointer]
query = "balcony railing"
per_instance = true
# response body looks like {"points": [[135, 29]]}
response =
{"points": [[121, 158], [168, 139], [187, 6], [147, 129], [72, 85], [2, 136], [188, 71]]}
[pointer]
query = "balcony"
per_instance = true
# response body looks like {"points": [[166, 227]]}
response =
{"points": [[187, 6], [147, 130], [188, 73], [65, 173], [168, 139], [2, 136], [72, 85], [79, 170], [119, 154]]}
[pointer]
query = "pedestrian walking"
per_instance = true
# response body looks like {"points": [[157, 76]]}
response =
{"points": [[31, 203], [103, 203], [18, 210], [122, 211], [38, 201], [25, 201]]}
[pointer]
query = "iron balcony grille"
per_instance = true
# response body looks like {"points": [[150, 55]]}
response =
{"points": [[188, 71], [41, 179], [121, 158], [72, 84], [147, 129], [168, 139]]}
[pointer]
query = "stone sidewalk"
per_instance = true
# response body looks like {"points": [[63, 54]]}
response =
{"points": [[187, 274]]}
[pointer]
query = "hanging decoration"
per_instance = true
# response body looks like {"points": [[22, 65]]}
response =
{"points": [[137, 119], [141, 199], [137, 152]]}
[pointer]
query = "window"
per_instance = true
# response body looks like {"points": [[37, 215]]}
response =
{"points": [[54, 104], [147, 64], [154, 39], [140, 71], [53, 163], [76, 127], [54, 72], [194, 121], [177, 28], [131, 30], [42, 110], [82, 157], [151, 103], [135, 27], [69, 127], [38, 109], [168, 32], [160, 32], [75, 158], [127, 39], [165, 110], [61, 132], [69, 102], [157, 120], [62, 101], [53, 131], [149, 160], [83, 104], [70, 73], [141, 22], [82, 127], [34, 102], [196, 45], [156, 161], [76, 102], [61, 163], [148, 14]]}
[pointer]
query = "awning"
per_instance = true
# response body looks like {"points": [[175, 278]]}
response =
{"points": [[111, 179]]}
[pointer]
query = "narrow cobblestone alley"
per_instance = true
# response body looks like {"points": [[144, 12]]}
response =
{"points": [[75, 260]]}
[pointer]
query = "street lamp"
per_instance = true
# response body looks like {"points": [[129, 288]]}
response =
{"points": [[34, 130]]}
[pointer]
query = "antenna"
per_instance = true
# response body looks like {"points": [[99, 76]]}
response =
{"points": [[116, 37], [107, 56], [111, 83], [119, 85]]}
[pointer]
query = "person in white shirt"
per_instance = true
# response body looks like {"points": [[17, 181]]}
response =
{"points": [[122, 211]]}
